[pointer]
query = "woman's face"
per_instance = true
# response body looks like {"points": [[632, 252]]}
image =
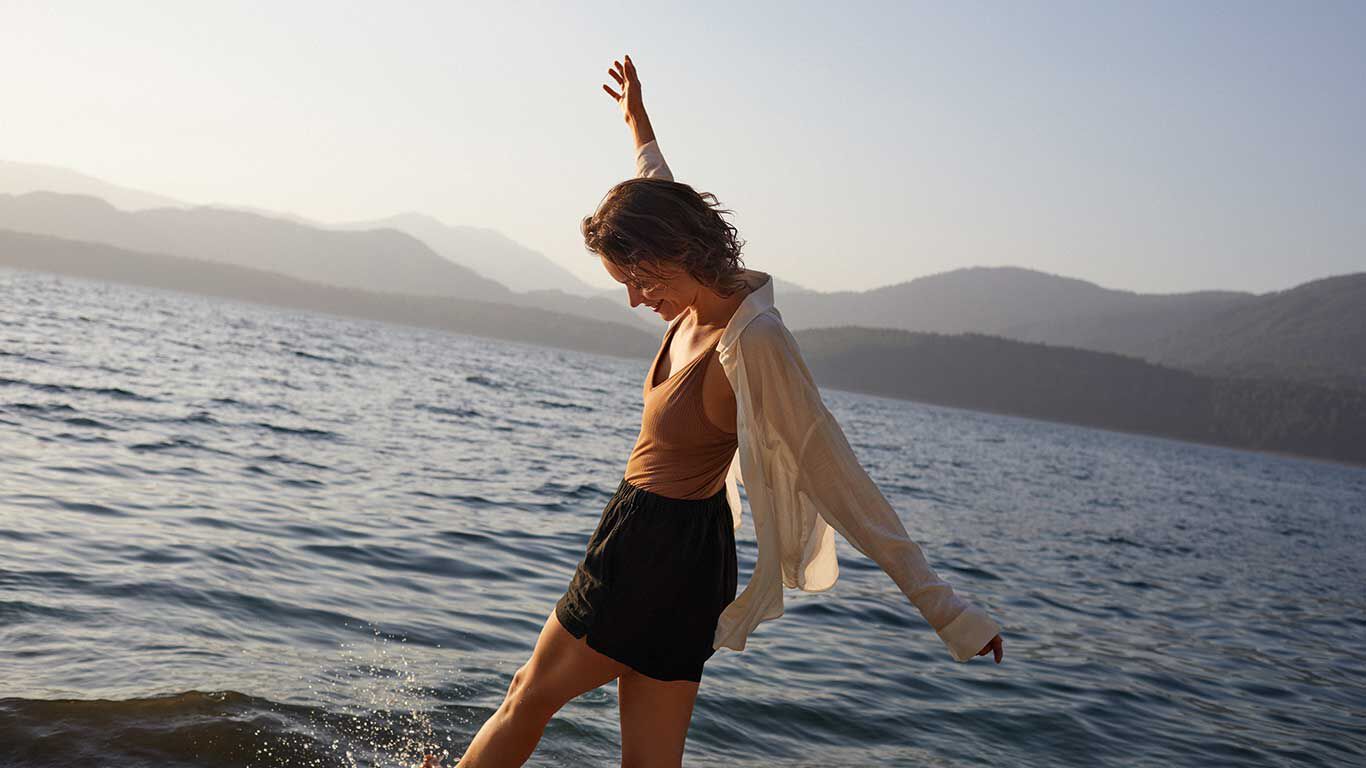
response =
{"points": [[668, 297]]}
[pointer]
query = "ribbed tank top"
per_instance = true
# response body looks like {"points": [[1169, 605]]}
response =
{"points": [[680, 453]]}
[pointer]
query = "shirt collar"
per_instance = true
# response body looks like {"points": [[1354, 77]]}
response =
{"points": [[759, 301]]}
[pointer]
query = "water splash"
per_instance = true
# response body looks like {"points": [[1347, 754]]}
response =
{"points": [[377, 712]]}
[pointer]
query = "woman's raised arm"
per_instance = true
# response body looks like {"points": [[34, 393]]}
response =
{"points": [[632, 107], [649, 161]]}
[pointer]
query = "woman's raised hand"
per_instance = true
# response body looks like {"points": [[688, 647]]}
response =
{"points": [[632, 108]]}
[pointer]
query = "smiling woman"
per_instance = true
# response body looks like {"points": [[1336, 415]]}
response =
{"points": [[673, 291], [643, 604], [655, 595], [666, 242]]}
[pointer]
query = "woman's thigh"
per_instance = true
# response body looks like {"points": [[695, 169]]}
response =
{"points": [[562, 667], [655, 715]]}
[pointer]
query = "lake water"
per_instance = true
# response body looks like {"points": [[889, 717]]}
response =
{"points": [[236, 535]]}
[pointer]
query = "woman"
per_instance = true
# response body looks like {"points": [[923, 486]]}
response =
{"points": [[655, 594]]}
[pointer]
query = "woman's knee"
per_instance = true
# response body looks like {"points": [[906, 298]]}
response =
{"points": [[528, 696]]}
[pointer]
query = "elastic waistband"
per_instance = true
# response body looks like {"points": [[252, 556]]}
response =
{"points": [[652, 500]]}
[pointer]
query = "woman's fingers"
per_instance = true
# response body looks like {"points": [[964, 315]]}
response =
{"points": [[995, 647], [625, 75]]}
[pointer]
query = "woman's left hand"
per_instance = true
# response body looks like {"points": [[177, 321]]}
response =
{"points": [[993, 646], [630, 100]]}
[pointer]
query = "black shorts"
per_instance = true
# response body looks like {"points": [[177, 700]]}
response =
{"points": [[656, 576]]}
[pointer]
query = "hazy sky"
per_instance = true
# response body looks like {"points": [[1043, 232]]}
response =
{"points": [[1141, 145]]}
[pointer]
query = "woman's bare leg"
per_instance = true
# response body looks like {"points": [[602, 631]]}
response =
{"points": [[655, 716], [560, 668]]}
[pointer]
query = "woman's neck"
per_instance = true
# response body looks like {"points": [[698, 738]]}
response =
{"points": [[713, 311]]}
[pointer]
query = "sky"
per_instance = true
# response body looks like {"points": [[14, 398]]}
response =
{"points": [[1153, 146]]}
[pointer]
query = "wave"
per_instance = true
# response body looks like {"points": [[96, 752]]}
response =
{"points": [[115, 392], [464, 413], [201, 729], [319, 434]]}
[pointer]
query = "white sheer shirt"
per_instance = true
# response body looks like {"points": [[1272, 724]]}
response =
{"points": [[804, 482]]}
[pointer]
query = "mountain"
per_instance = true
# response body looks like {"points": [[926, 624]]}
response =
{"points": [[489, 264], [1221, 332], [1312, 332], [488, 252], [378, 260], [988, 300], [537, 280], [488, 319], [18, 178], [1093, 389], [521, 275], [1317, 330]]}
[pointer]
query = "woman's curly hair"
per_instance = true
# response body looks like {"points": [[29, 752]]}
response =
{"points": [[644, 224]]}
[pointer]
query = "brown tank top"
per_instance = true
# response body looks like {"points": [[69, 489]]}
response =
{"points": [[680, 453]]}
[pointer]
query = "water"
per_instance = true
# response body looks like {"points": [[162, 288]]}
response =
{"points": [[236, 535]]}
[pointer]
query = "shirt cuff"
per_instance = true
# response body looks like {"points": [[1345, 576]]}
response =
{"points": [[650, 162], [968, 633]]}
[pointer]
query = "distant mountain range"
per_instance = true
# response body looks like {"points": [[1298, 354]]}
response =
{"points": [[377, 260], [18, 178], [488, 252], [369, 259], [476, 317], [485, 251], [1313, 332], [1094, 389]]}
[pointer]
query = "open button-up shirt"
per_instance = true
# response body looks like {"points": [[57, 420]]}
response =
{"points": [[804, 482]]}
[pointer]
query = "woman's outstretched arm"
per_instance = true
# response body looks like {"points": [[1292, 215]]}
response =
{"points": [[632, 106], [806, 443], [649, 161]]}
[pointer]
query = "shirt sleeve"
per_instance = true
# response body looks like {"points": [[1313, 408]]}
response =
{"points": [[650, 162], [801, 433]]}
